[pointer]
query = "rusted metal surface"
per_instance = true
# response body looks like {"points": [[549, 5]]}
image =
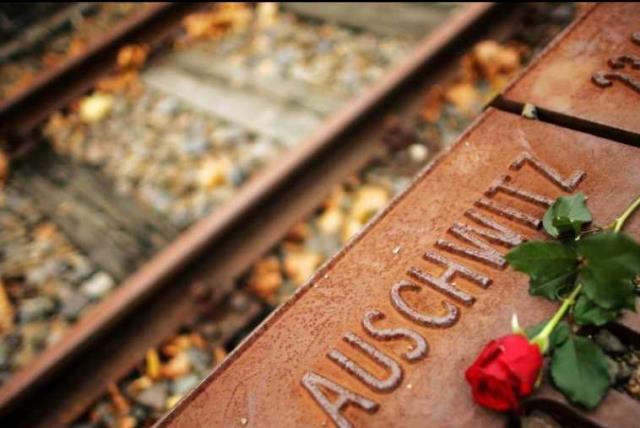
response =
{"points": [[56, 88], [589, 78], [214, 251], [329, 355]]}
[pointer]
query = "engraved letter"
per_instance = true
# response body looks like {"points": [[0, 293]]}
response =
{"points": [[568, 185], [444, 283], [510, 213], [311, 381], [420, 347], [482, 252], [453, 313], [503, 184], [605, 80], [506, 237], [388, 384]]}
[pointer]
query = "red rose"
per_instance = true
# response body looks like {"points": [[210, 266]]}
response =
{"points": [[504, 372]]}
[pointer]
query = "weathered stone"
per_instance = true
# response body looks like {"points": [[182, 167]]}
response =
{"points": [[36, 308], [608, 342], [154, 397], [98, 285]]}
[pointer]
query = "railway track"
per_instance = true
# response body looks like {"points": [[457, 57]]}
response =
{"points": [[190, 140]]}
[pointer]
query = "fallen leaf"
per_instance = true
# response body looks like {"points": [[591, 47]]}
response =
{"points": [[132, 57], [464, 97], [433, 102]]}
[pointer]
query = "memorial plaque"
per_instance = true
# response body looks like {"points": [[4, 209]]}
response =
{"points": [[592, 73], [382, 335]]}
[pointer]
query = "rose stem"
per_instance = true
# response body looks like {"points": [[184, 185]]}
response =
{"points": [[542, 338], [619, 222]]}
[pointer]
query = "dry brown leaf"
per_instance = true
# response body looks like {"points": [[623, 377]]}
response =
{"points": [[299, 265], [76, 47], [198, 341], [127, 421], [298, 233], [468, 72], [463, 96], [132, 57], [266, 278], [44, 232], [176, 367], [214, 23], [123, 81], [368, 200], [493, 59], [433, 102]]}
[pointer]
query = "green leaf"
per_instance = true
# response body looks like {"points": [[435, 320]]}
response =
{"points": [[612, 260], [557, 336], [566, 215], [587, 312], [551, 266], [579, 370]]}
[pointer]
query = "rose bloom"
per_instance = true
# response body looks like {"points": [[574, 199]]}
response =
{"points": [[504, 372]]}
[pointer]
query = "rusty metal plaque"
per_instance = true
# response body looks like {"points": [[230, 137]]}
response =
{"points": [[382, 335], [592, 73]]}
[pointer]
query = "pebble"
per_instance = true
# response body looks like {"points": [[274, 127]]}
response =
{"points": [[184, 163], [418, 153], [369, 199], [300, 264], [98, 285], [172, 401], [42, 273], [330, 221], [73, 304], [184, 384], [622, 373], [36, 308], [608, 342], [154, 397], [95, 107], [200, 360]]}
